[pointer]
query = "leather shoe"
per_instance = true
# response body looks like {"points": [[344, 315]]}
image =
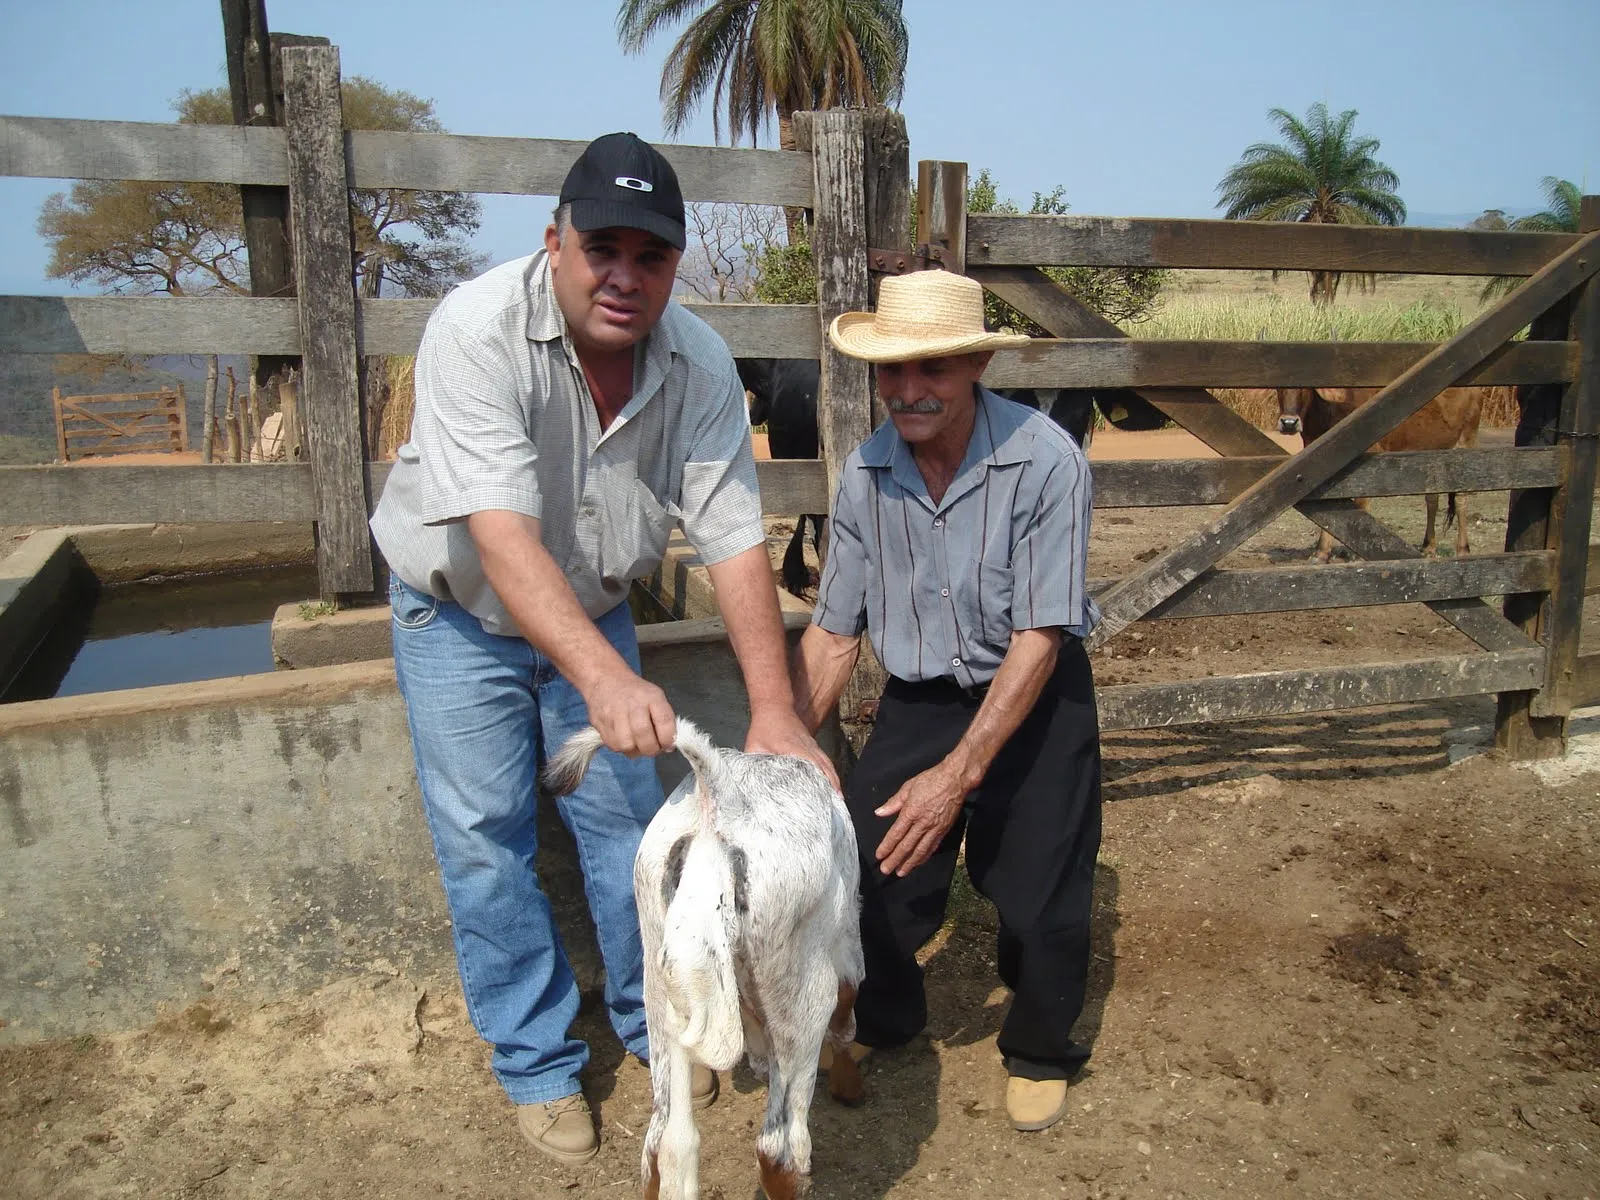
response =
{"points": [[1034, 1104], [562, 1129], [825, 1059], [703, 1086]]}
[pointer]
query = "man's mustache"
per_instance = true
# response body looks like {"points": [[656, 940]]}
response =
{"points": [[930, 405]]}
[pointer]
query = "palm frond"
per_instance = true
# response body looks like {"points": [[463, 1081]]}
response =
{"points": [[753, 57], [699, 60]]}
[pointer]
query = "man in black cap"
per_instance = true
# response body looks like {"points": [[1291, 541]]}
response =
{"points": [[568, 415]]}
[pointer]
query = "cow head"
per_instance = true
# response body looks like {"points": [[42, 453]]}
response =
{"points": [[1294, 404]]}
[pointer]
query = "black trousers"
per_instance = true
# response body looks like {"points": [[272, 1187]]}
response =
{"points": [[1032, 832]]}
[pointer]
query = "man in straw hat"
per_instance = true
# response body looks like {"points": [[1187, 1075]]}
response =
{"points": [[568, 415], [960, 533]]}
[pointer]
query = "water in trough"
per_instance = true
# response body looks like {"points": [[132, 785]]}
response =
{"points": [[107, 638]]}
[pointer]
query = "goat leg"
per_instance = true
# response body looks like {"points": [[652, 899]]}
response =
{"points": [[844, 1073]]}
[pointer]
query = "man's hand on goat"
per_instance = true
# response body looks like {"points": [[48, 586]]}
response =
{"points": [[632, 715], [923, 809], [780, 731]]}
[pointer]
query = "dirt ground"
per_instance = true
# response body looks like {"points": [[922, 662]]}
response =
{"points": [[1335, 956]]}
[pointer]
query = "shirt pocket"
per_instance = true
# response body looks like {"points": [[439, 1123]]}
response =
{"points": [[634, 534], [995, 584]]}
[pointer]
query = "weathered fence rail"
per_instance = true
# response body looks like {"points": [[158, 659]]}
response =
{"points": [[231, 492], [994, 240], [57, 148], [853, 172], [244, 325]]}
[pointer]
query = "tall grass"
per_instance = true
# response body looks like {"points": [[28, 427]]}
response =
{"points": [[1273, 319], [396, 427]]}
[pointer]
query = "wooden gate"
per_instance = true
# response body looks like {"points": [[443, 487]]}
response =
{"points": [[1528, 648], [121, 423]]}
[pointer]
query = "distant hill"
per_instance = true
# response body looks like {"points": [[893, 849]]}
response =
{"points": [[27, 415]]}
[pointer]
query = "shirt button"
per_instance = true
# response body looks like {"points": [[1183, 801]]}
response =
{"points": [[588, 510], [955, 662], [938, 522], [944, 591]]}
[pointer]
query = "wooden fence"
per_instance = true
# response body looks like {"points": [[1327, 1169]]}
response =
{"points": [[853, 173], [120, 423]]}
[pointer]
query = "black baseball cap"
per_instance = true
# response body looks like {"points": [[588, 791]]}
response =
{"points": [[619, 179]]}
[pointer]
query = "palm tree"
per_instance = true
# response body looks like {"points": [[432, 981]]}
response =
{"points": [[757, 58], [1324, 175], [1564, 198]]}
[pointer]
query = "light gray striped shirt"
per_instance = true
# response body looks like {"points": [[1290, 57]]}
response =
{"points": [[504, 420], [940, 587]]}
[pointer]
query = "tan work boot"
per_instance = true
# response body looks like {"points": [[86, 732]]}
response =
{"points": [[825, 1060], [703, 1086], [1034, 1104], [562, 1129]]}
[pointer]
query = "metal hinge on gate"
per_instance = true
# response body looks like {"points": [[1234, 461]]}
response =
{"points": [[899, 262]]}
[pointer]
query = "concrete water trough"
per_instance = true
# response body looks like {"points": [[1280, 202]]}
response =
{"points": [[265, 827], [107, 607]]}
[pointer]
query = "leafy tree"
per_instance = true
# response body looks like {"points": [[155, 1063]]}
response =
{"points": [[1564, 198], [1491, 220], [1120, 294], [757, 58], [1323, 175], [183, 238], [146, 237], [786, 274]]}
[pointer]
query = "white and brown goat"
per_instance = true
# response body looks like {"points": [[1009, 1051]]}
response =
{"points": [[747, 893]]}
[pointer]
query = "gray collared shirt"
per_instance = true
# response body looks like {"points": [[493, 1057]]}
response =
{"points": [[939, 587], [504, 420]]}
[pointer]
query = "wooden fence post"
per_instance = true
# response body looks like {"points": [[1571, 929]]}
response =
{"points": [[1573, 505], [330, 406], [888, 177], [1533, 725], [942, 213], [61, 425], [837, 140], [180, 426]]}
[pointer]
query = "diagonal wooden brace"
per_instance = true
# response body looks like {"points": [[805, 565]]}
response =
{"points": [[1031, 291], [1321, 460]]}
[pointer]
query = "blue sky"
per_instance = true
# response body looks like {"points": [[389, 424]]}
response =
{"points": [[1137, 108]]}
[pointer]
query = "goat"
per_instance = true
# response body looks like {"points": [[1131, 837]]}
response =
{"points": [[749, 914]]}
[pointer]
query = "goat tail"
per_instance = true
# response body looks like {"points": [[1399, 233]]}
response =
{"points": [[692, 742], [567, 767], [697, 953], [1450, 510]]}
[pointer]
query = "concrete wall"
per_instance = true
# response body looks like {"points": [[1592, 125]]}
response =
{"points": [[267, 826], [32, 579]]}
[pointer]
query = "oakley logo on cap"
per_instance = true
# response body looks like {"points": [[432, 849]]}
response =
{"points": [[638, 185]]}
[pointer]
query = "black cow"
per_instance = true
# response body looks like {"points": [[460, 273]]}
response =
{"points": [[785, 400]]}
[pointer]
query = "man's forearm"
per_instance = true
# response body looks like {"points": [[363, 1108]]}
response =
{"points": [[1015, 689], [747, 598], [539, 598], [822, 665]]}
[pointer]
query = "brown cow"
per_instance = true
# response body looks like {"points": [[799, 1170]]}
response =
{"points": [[1449, 420]]}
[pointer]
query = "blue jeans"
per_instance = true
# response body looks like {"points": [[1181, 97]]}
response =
{"points": [[483, 711]]}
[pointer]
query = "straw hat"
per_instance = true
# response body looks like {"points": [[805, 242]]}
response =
{"points": [[927, 314]]}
